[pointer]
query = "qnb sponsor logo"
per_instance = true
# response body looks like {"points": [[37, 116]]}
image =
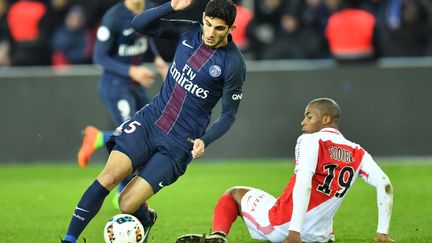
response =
{"points": [[184, 78], [78, 217], [139, 47], [236, 96]]}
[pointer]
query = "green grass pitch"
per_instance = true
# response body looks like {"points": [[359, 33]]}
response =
{"points": [[37, 200]]}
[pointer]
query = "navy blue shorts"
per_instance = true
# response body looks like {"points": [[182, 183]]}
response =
{"points": [[159, 161]]}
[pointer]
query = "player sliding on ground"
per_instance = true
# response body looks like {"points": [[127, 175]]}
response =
{"points": [[326, 165], [162, 138]]}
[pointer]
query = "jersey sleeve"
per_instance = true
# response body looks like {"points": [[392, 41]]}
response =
{"points": [[105, 40], [373, 175], [152, 23], [306, 153], [233, 83], [231, 96]]}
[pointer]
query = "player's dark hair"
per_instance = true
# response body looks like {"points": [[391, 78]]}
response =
{"points": [[223, 9], [328, 107]]}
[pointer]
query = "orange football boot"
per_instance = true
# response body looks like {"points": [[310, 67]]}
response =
{"points": [[88, 146]]}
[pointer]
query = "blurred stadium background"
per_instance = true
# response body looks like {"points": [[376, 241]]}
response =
{"points": [[386, 107], [384, 94], [385, 99]]}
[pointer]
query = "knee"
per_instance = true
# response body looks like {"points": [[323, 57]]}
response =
{"points": [[126, 206], [233, 190], [238, 192], [109, 180]]}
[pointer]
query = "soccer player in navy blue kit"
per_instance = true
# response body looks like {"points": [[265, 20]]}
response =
{"points": [[120, 50], [164, 136]]}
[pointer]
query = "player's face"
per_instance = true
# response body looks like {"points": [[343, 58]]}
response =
{"points": [[215, 32], [312, 121]]}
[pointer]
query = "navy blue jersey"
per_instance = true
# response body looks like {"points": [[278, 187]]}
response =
{"points": [[118, 46], [198, 78]]}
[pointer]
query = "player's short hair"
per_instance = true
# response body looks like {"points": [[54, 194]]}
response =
{"points": [[329, 107], [223, 9]]}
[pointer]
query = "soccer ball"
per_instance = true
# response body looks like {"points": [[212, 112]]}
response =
{"points": [[123, 228]]}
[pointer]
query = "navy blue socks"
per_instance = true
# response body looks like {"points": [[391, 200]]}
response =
{"points": [[87, 208], [143, 214]]}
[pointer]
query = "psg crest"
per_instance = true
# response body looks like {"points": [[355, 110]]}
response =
{"points": [[215, 71], [118, 131]]}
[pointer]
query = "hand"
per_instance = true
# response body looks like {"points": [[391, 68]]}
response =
{"points": [[383, 238], [178, 5], [161, 66], [141, 75], [198, 148], [293, 237]]}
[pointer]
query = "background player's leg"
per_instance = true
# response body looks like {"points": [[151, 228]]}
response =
{"points": [[93, 139]]}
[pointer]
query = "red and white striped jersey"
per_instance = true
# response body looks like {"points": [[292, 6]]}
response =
{"points": [[335, 163]]}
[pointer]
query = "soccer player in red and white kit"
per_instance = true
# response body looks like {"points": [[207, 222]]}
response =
{"points": [[326, 165]]}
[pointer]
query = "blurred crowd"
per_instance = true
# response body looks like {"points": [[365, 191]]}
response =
{"points": [[62, 32]]}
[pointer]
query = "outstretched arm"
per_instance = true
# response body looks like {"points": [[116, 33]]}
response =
{"points": [[373, 175], [149, 22]]}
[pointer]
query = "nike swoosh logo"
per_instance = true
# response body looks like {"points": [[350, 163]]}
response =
{"points": [[127, 32], [186, 44], [81, 209], [160, 184]]}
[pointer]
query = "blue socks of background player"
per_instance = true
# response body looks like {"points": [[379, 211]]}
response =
{"points": [[87, 208], [143, 214], [106, 136]]}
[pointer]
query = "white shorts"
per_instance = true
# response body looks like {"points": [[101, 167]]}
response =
{"points": [[255, 206]]}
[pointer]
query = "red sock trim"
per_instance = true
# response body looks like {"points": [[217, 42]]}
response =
{"points": [[225, 213]]}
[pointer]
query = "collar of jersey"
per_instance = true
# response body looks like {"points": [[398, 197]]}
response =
{"points": [[332, 130]]}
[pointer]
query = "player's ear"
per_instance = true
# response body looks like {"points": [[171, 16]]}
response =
{"points": [[232, 28], [326, 120], [203, 17]]}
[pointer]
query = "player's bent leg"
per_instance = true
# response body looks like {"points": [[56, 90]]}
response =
{"points": [[136, 192], [227, 209], [118, 167], [238, 192], [120, 188], [255, 206], [132, 201]]}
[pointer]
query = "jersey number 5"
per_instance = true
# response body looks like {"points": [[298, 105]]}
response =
{"points": [[344, 179], [132, 127]]}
